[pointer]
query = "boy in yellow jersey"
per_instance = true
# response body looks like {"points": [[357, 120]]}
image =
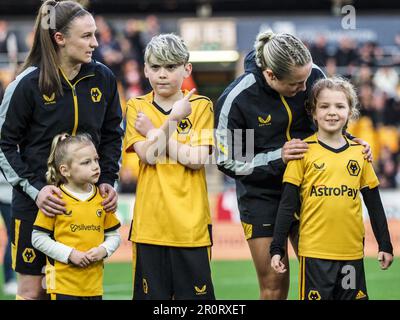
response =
{"points": [[171, 132], [323, 189], [77, 241]]}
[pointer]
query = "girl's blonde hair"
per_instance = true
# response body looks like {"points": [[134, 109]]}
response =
{"points": [[280, 53], [337, 84], [167, 48], [60, 154]]}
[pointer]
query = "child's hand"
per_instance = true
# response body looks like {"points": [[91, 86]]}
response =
{"points": [[143, 124], [277, 264], [96, 254], [385, 259], [79, 258], [182, 108]]}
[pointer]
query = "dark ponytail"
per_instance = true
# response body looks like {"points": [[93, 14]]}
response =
{"points": [[52, 17]]}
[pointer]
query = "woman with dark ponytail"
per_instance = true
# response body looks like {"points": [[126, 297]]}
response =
{"points": [[260, 120], [60, 89]]}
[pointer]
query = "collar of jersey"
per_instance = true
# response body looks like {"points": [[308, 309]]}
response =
{"points": [[65, 191], [341, 149], [150, 98]]}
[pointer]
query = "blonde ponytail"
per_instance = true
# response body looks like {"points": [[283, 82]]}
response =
{"points": [[60, 154], [280, 53], [53, 175], [261, 40]]}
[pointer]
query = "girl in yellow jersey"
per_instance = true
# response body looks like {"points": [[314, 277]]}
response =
{"points": [[76, 242], [323, 190]]}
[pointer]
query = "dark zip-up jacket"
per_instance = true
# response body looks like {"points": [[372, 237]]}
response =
{"points": [[250, 103], [29, 120]]}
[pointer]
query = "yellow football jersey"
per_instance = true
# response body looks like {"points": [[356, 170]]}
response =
{"points": [[331, 221], [82, 227], [171, 206]]}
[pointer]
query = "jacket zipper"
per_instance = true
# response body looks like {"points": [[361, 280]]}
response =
{"points": [[75, 99], [289, 112]]}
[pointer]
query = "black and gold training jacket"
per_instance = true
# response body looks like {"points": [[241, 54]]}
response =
{"points": [[29, 120]]}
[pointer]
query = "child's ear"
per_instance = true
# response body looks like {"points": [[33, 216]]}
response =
{"points": [[145, 70], [64, 170], [314, 117], [188, 69]]}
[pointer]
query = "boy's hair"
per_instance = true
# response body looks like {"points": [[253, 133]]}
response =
{"points": [[338, 84], [167, 48], [60, 154], [280, 52]]}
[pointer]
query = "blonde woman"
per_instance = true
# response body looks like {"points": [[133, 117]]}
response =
{"points": [[267, 103]]}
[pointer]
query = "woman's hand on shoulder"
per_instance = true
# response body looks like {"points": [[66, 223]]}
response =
{"points": [[293, 149], [367, 148], [49, 201], [110, 202]]}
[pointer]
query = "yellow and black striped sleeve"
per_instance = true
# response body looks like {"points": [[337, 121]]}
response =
{"points": [[111, 222], [368, 177], [294, 172], [44, 223], [203, 133], [132, 136]]}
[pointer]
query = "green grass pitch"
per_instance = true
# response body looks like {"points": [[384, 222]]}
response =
{"points": [[236, 280]]}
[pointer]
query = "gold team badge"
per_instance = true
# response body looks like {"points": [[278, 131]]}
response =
{"points": [[314, 295], [96, 94], [29, 255], [353, 168], [184, 126]]}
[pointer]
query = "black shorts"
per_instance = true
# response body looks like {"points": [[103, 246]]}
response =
{"points": [[258, 210], [25, 258], [56, 296], [164, 273], [322, 279], [266, 230]]}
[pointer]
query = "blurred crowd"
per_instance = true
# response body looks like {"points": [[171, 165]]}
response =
{"points": [[375, 73], [373, 69]]}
